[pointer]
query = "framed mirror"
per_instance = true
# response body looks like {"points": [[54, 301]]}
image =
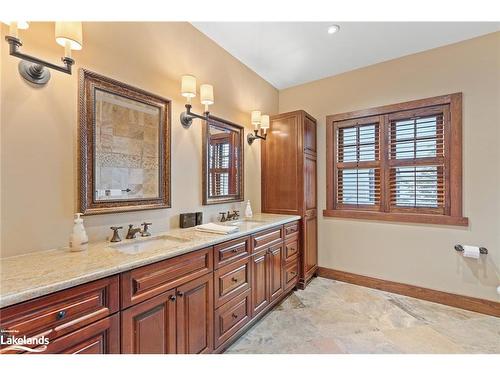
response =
{"points": [[222, 161], [124, 140]]}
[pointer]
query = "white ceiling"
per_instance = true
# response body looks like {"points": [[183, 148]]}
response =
{"points": [[291, 53]]}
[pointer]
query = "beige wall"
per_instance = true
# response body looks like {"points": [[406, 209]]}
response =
{"points": [[39, 125], [421, 255]]}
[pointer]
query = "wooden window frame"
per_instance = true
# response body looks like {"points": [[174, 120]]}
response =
{"points": [[453, 164]]}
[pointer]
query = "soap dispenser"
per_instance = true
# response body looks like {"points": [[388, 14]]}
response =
{"points": [[248, 210], [78, 240]]}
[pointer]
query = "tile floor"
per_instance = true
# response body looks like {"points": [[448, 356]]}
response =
{"points": [[335, 317]]}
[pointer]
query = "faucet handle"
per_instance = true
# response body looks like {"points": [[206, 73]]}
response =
{"points": [[145, 232], [116, 235], [223, 216]]}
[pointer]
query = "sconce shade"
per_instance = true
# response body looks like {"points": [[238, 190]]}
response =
{"points": [[188, 86], [69, 32], [264, 122], [256, 118], [21, 25], [207, 94]]}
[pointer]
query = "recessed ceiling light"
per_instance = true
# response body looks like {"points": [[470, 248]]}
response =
{"points": [[333, 29]]}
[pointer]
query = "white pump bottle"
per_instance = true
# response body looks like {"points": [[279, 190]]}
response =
{"points": [[78, 240]]}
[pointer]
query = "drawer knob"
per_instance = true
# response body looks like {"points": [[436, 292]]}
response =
{"points": [[180, 294], [61, 314], [235, 316], [234, 250], [172, 298], [234, 280]]}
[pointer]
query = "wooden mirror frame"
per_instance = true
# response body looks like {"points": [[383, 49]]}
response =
{"points": [[88, 82], [219, 122]]}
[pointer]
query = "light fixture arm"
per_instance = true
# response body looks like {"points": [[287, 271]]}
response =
{"points": [[252, 137], [187, 116], [32, 68]]}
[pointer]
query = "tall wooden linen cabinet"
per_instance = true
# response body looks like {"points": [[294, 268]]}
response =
{"points": [[289, 175]]}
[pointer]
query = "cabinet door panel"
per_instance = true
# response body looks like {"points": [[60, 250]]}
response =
{"points": [[149, 327], [310, 182], [195, 307], [260, 282], [309, 135], [276, 271], [281, 165], [310, 242]]}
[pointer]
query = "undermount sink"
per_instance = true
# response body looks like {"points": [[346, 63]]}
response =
{"points": [[154, 243], [245, 222]]}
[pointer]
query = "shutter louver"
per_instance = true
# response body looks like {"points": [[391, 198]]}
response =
{"points": [[358, 172], [416, 153]]}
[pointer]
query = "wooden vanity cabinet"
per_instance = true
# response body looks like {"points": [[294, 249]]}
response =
{"points": [[177, 305], [289, 178]]}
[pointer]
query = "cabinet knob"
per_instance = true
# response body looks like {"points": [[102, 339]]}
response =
{"points": [[61, 314], [235, 316], [180, 294], [234, 250], [172, 298], [234, 280]]}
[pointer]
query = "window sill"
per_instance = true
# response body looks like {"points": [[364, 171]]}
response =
{"points": [[398, 217]]}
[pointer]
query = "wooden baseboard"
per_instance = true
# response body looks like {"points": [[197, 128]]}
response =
{"points": [[456, 300]]}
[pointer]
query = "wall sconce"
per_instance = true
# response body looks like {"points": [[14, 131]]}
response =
{"points": [[188, 90], [260, 123], [33, 69]]}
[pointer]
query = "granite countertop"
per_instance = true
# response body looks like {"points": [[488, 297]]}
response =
{"points": [[36, 274]]}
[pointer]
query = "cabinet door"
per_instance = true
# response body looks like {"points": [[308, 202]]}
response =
{"points": [[281, 162], [260, 281], [309, 135], [150, 326], [276, 271], [310, 243], [195, 308]]}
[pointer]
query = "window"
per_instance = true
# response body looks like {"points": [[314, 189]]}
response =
{"points": [[221, 162], [399, 162]]}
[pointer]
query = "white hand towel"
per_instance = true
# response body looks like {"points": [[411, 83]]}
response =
{"points": [[216, 228]]}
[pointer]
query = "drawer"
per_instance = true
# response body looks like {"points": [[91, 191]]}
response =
{"points": [[267, 237], [230, 251], [231, 317], [62, 312], [231, 280], [291, 273], [291, 248], [102, 337], [145, 282], [291, 228]]}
